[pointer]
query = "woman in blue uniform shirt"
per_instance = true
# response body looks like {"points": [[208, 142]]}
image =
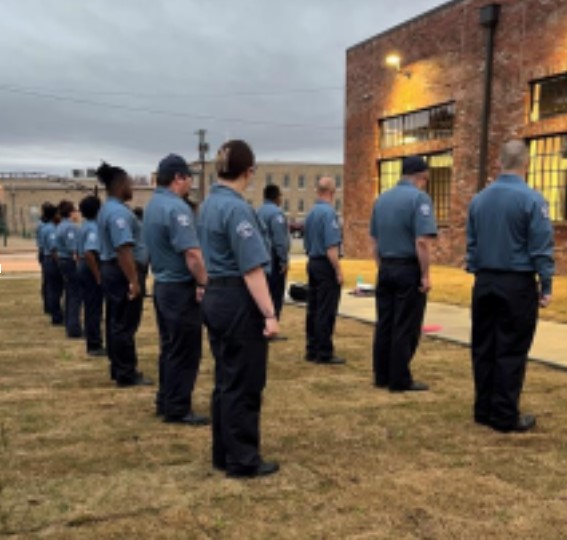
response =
{"points": [[119, 234], [238, 312]]}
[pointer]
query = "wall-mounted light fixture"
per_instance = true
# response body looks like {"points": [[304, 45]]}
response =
{"points": [[395, 61]]}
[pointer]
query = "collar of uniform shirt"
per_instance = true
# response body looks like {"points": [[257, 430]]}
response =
{"points": [[226, 190], [510, 178], [165, 191], [406, 182]]}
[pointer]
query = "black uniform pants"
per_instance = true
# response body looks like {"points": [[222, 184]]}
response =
{"points": [[53, 289], [323, 299], [504, 315], [124, 319], [276, 282], [72, 287], [179, 322], [240, 349], [400, 308], [40, 258], [93, 301]]}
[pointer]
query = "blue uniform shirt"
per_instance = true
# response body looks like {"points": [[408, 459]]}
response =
{"points": [[400, 216], [322, 230], [89, 238], [169, 231], [49, 238], [141, 254], [39, 236], [67, 239], [116, 226], [275, 223], [230, 234], [509, 229]]}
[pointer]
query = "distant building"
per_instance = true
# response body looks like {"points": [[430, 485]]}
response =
{"points": [[297, 182]]}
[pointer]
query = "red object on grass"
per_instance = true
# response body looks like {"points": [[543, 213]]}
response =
{"points": [[432, 329]]}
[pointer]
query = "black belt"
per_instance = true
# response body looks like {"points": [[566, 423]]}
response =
{"points": [[229, 281], [399, 261], [319, 258]]}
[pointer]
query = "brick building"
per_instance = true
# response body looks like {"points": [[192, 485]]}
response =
{"points": [[431, 101]]}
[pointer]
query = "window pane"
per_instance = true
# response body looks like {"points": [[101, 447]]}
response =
{"points": [[548, 173], [433, 123]]}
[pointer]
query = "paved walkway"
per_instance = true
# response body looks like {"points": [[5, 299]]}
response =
{"points": [[452, 323]]}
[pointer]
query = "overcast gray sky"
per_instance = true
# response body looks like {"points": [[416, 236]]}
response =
{"points": [[131, 80]]}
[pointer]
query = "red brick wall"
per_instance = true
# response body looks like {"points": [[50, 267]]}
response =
{"points": [[444, 52]]}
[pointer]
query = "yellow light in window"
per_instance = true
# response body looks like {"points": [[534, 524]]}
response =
{"points": [[394, 60]]}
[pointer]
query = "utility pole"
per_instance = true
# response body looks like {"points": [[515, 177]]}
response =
{"points": [[203, 149]]}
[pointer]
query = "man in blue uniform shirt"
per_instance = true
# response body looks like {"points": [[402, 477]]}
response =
{"points": [[322, 240], [509, 242], [402, 226], [276, 227], [180, 277], [67, 238]]}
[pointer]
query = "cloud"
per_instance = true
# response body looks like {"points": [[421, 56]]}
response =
{"points": [[132, 80]]}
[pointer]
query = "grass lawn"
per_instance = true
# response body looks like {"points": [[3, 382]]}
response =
{"points": [[450, 285], [82, 459]]}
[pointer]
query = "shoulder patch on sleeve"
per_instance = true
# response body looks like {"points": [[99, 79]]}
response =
{"points": [[425, 209], [91, 237], [280, 219], [184, 220], [245, 229], [120, 223], [545, 210]]}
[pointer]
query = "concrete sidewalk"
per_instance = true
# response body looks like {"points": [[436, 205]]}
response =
{"points": [[452, 323]]}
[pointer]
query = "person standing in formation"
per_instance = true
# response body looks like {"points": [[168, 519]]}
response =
{"points": [[276, 227], [180, 278], [89, 275], [509, 243], [402, 227], [118, 230], [323, 240], [53, 279], [238, 312], [67, 236]]}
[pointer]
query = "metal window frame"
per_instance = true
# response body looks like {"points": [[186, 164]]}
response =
{"points": [[410, 117]]}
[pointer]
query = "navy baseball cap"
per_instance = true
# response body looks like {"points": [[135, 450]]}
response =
{"points": [[413, 165], [173, 164]]}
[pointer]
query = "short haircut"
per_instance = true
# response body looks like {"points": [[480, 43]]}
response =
{"points": [[234, 158], [514, 155], [139, 212], [66, 208], [326, 184], [272, 192], [44, 208], [89, 207], [49, 212]]}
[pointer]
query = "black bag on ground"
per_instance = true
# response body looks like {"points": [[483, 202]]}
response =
{"points": [[298, 292]]}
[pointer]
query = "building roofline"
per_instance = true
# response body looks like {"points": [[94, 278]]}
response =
{"points": [[393, 29]]}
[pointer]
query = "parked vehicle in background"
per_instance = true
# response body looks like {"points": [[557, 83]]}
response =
{"points": [[296, 229]]}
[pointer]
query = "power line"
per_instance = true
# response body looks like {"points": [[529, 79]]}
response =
{"points": [[163, 112], [236, 93]]}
